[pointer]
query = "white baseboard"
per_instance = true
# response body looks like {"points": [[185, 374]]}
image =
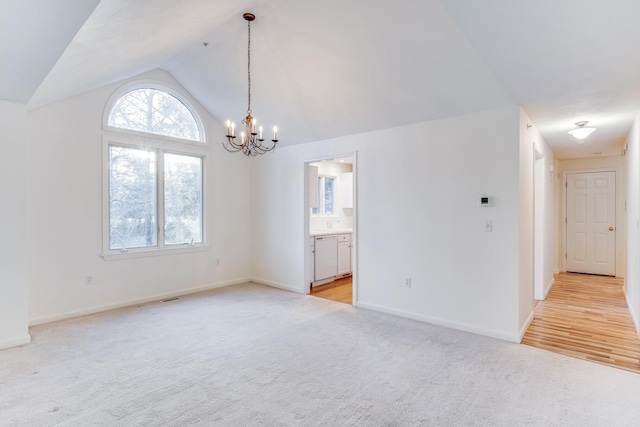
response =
{"points": [[441, 322], [15, 342], [634, 313], [548, 288], [523, 329], [151, 298], [277, 285]]}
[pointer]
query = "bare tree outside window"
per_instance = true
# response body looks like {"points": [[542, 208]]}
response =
{"points": [[154, 111], [326, 196], [182, 199], [132, 198]]}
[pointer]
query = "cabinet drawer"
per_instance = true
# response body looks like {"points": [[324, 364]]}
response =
{"points": [[344, 238]]}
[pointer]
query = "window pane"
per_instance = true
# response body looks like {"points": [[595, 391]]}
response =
{"points": [[182, 199], [316, 210], [154, 111], [132, 198], [328, 196]]}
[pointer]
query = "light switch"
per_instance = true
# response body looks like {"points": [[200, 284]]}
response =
{"points": [[488, 225]]}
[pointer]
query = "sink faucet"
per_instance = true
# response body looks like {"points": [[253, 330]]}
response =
{"points": [[331, 222]]}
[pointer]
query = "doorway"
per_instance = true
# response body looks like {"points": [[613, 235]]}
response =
{"points": [[591, 223], [340, 290], [330, 228]]}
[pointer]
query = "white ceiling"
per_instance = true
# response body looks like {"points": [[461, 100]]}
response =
{"points": [[333, 68], [33, 35]]}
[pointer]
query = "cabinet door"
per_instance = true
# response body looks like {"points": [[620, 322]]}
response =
{"points": [[326, 257], [313, 186], [344, 258], [312, 260], [346, 191]]}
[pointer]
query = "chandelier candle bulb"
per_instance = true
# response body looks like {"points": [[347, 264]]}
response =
{"points": [[228, 128], [275, 133], [233, 129], [242, 137], [260, 136], [253, 126]]}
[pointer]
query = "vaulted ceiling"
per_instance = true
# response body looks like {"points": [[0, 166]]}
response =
{"points": [[332, 68]]}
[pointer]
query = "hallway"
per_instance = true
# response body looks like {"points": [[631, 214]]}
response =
{"points": [[586, 317]]}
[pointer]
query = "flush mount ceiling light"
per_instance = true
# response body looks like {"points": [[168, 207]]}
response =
{"points": [[581, 132], [250, 140]]}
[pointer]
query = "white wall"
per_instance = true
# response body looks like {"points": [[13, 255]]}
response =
{"points": [[617, 163], [543, 210], [526, 224], [13, 226], [65, 217], [418, 216], [633, 220], [557, 215]]}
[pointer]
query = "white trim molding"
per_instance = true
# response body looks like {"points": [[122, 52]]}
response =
{"points": [[277, 285], [131, 302], [515, 338], [15, 342], [634, 314]]}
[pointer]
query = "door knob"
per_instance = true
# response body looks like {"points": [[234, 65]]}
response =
{"points": [[610, 228]]}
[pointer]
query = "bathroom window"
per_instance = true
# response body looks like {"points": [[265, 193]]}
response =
{"points": [[326, 196]]}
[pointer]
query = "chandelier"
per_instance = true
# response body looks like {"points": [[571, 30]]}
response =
{"points": [[581, 132], [251, 139]]}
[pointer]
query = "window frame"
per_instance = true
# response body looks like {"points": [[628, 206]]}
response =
{"points": [[321, 197], [113, 136], [152, 84]]}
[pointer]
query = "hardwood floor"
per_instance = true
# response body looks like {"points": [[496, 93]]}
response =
{"points": [[586, 317], [339, 290]]}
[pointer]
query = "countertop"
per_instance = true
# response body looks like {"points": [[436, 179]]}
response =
{"points": [[328, 232]]}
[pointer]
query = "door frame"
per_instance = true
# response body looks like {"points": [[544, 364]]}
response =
{"points": [[539, 177], [306, 226], [619, 213]]}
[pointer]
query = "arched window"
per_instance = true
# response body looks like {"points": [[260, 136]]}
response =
{"points": [[154, 111], [153, 186]]}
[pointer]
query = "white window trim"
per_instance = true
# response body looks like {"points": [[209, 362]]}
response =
{"points": [[152, 143], [136, 139], [187, 100], [148, 252]]}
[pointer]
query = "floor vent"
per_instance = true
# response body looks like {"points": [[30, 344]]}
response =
{"points": [[171, 299]]}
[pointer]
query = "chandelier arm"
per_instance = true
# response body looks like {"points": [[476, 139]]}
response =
{"points": [[231, 147]]}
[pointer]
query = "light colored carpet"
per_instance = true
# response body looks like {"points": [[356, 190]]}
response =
{"points": [[251, 355]]}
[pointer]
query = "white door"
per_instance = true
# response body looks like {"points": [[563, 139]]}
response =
{"points": [[591, 212]]}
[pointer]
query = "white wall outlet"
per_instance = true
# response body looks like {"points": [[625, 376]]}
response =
{"points": [[88, 280], [488, 226], [407, 282]]}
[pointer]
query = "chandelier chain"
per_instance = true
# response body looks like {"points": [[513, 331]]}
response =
{"points": [[249, 68]]}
